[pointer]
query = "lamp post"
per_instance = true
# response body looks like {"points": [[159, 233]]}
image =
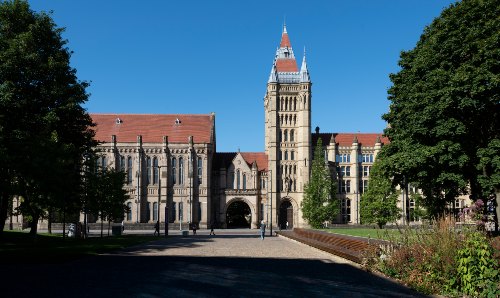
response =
{"points": [[138, 201]]}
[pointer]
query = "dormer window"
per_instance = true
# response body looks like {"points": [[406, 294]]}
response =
{"points": [[118, 121], [177, 121]]}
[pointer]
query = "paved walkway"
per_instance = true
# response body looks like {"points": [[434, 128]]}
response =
{"points": [[229, 264]]}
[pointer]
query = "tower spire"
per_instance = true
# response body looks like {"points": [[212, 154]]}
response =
{"points": [[304, 72]]}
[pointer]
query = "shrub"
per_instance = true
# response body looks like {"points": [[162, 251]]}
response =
{"points": [[439, 259]]}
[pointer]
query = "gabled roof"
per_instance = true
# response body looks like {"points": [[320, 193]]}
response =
{"points": [[259, 157], [346, 139], [224, 159], [152, 127]]}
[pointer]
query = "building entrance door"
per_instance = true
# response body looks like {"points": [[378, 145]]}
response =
{"points": [[238, 216], [286, 215]]}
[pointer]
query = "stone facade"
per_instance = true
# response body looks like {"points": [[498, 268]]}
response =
{"points": [[174, 172]]}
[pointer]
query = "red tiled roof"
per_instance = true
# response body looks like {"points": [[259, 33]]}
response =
{"points": [[152, 127], [286, 65], [285, 41], [259, 157], [345, 139]]}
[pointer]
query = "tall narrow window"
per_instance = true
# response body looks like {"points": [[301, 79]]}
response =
{"points": [[292, 132], [155, 211], [174, 173], [104, 162], [148, 170], [285, 135], [155, 170], [348, 186], [148, 211], [200, 169], [181, 170], [281, 136], [231, 180], [122, 163], [244, 182], [174, 213], [292, 155], [199, 211], [129, 211], [129, 170], [286, 155], [238, 179]]}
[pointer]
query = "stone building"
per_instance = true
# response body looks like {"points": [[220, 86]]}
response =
{"points": [[171, 161]]}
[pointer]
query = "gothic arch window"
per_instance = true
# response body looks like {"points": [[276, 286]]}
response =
{"points": [[281, 119], [286, 155], [292, 155], [281, 106], [286, 119], [129, 211], [155, 170], [231, 180], [294, 169], [200, 169], [122, 163], [174, 168], [129, 170], [295, 103], [292, 132], [286, 104], [155, 211], [244, 182], [181, 170], [285, 135], [148, 170], [281, 136], [290, 169], [295, 120], [238, 179]]}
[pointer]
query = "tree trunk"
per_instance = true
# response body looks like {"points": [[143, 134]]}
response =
{"points": [[34, 224], [4, 206], [497, 209], [109, 226], [49, 223]]}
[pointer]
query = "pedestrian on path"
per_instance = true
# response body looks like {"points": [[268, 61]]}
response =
{"points": [[262, 229], [212, 229], [194, 229], [157, 229]]}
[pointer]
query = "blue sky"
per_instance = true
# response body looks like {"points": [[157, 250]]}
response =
{"points": [[197, 57]]}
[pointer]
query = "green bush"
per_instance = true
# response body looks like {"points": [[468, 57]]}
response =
{"points": [[443, 260], [477, 270]]}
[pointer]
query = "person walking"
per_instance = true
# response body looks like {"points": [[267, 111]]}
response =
{"points": [[262, 229], [212, 229], [157, 229]]}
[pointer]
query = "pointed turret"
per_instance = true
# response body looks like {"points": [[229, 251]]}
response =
{"points": [[304, 72], [285, 59], [273, 77]]}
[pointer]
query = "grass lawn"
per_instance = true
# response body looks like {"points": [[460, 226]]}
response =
{"points": [[49, 248], [366, 232]]}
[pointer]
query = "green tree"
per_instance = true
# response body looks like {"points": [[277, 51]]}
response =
{"points": [[378, 203], [445, 104], [105, 194], [320, 203], [44, 129]]}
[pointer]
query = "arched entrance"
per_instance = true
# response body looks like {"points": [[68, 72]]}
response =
{"points": [[286, 215], [238, 215]]}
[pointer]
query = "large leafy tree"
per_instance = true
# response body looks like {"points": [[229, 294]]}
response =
{"points": [[445, 104], [378, 203], [320, 203], [44, 129]]}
